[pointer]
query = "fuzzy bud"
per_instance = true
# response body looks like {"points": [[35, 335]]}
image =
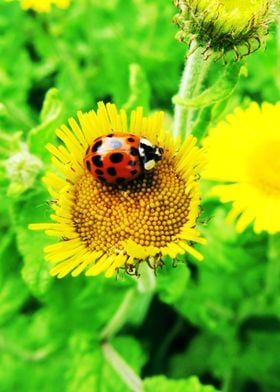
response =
{"points": [[21, 169], [223, 26]]}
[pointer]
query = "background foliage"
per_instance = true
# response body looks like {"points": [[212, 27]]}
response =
{"points": [[217, 321]]}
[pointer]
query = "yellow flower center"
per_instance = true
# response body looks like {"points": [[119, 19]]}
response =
{"points": [[149, 210], [265, 168], [234, 13], [242, 6]]}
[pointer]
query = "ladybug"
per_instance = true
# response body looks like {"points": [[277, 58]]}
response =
{"points": [[118, 158]]}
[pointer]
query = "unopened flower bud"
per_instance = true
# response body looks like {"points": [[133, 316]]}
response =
{"points": [[223, 26], [21, 169]]}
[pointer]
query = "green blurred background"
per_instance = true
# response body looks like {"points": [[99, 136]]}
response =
{"points": [[218, 320]]}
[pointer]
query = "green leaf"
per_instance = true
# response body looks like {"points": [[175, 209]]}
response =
{"points": [[222, 238], [262, 83], [52, 116], [172, 281], [9, 142], [212, 349], [13, 291], [273, 266], [28, 347], [163, 384], [86, 363], [12, 296], [89, 369], [31, 244], [258, 357], [202, 122], [230, 280], [131, 351], [92, 303], [221, 89], [139, 88]]}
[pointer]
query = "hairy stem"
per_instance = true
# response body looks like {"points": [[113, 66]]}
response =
{"points": [[192, 79], [127, 374], [120, 317], [145, 288], [146, 282]]}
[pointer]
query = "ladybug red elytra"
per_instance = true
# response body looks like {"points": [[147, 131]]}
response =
{"points": [[118, 158]]}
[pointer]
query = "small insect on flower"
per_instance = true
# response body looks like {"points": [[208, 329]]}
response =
{"points": [[118, 158], [106, 216]]}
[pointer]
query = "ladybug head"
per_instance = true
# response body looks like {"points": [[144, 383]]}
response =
{"points": [[149, 154]]}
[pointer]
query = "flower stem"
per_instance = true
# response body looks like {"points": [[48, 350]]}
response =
{"points": [[146, 283], [127, 374], [120, 317], [144, 288], [193, 76]]}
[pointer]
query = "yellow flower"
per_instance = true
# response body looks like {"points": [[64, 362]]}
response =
{"points": [[43, 5], [244, 151], [224, 25], [101, 227]]}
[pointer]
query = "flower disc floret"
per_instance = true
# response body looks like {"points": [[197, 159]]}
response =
{"points": [[102, 227], [150, 210]]}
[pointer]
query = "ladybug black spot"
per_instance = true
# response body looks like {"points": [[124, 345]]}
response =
{"points": [[112, 171], [116, 157], [99, 172], [120, 180], [133, 172], [134, 151], [132, 163], [88, 165], [97, 161], [131, 140], [96, 146]]}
